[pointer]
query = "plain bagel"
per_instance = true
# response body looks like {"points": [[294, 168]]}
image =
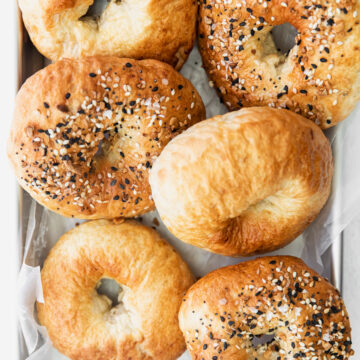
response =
{"points": [[82, 324], [86, 132], [301, 313], [243, 183], [319, 78], [142, 29]]}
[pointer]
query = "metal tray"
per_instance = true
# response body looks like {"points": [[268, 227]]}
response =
{"points": [[30, 61]]}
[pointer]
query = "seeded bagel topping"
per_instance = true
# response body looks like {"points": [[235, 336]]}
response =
{"points": [[247, 69], [300, 314], [105, 137]]}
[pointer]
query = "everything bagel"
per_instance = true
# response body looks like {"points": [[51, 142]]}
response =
{"points": [[319, 78], [243, 183], [153, 29], [275, 296], [86, 132]]}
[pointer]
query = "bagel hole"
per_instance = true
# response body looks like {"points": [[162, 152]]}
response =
{"points": [[111, 289], [261, 340], [284, 37], [96, 9]]}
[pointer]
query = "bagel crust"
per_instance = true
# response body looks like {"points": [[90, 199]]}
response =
{"points": [[144, 325], [243, 183], [141, 29], [320, 76], [280, 296], [86, 133]]}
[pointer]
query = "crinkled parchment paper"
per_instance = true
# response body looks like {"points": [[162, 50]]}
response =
{"points": [[44, 227]]}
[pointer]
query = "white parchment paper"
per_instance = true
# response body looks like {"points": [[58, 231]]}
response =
{"points": [[45, 227]]}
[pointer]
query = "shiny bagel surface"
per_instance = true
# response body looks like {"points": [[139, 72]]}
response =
{"points": [[299, 311], [320, 76], [86, 133], [83, 325], [142, 29], [243, 183]]}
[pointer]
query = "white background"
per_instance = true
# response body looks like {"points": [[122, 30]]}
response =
{"points": [[8, 208], [8, 196]]}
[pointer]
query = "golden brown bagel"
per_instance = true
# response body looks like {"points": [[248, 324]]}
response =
{"points": [[86, 133], [243, 183], [140, 29], [319, 78], [144, 325], [280, 296]]}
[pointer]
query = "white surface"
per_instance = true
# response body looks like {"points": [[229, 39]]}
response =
{"points": [[8, 188], [351, 280]]}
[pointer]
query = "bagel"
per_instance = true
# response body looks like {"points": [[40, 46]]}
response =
{"points": [[278, 296], [83, 324], [243, 183], [319, 78], [86, 133], [153, 29]]}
